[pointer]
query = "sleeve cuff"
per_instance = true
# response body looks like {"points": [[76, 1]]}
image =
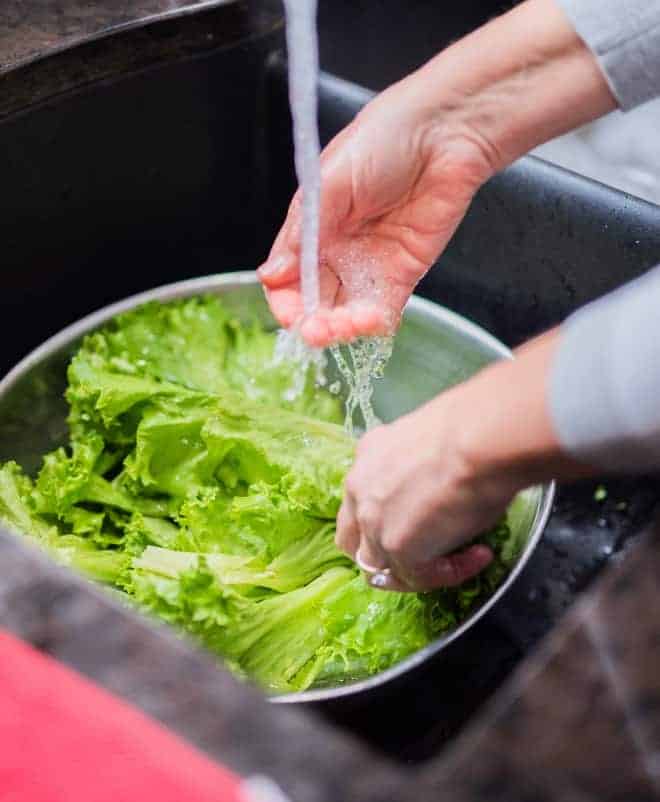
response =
{"points": [[624, 35], [604, 392]]}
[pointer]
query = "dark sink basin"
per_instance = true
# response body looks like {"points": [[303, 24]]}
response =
{"points": [[383, 40], [187, 170]]}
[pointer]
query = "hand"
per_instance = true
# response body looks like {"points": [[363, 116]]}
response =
{"points": [[394, 188], [397, 182], [427, 504], [453, 466]]}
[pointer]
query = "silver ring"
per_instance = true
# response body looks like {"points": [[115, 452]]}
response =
{"points": [[370, 569]]}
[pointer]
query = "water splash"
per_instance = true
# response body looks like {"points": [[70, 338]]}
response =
{"points": [[292, 349], [360, 363]]}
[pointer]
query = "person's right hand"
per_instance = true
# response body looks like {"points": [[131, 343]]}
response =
{"points": [[395, 185], [398, 180]]}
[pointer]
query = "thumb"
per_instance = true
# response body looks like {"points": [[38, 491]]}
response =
{"points": [[282, 267], [283, 264]]}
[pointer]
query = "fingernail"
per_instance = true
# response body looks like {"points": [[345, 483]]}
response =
{"points": [[272, 267]]}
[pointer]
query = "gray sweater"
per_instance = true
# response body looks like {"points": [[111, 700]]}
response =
{"points": [[605, 381], [625, 37]]}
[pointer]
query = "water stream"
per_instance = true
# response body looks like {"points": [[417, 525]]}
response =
{"points": [[364, 360], [303, 55]]}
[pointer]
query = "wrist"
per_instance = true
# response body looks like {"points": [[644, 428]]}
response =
{"points": [[515, 83], [504, 435]]}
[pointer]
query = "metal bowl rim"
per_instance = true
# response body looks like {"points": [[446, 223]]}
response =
{"points": [[189, 287]]}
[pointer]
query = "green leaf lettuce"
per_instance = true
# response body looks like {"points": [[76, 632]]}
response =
{"points": [[197, 487]]}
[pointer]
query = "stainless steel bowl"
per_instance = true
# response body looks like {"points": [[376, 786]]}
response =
{"points": [[434, 349]]}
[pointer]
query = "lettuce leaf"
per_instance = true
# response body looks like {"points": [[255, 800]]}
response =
{"points": [[198, 488]]}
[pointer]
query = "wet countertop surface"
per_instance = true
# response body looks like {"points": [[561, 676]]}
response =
{"points": [[30, 30], [580, 720], [48, 47]]}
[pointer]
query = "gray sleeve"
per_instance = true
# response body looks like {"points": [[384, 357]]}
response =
{"points": [[605, 380], [624, 35]]}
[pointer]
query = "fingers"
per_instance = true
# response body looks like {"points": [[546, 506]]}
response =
{"points": [[286, 305], [347, 537], [327, 326], [358, 536], [343, 324], [282, 267], [279, 270], [283, 264], [369, 557], [449, 571], [445, 572]]}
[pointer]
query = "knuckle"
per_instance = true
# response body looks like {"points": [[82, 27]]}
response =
{"points": [[378, 495], [368, 516], [395, 544], [352, 484]]}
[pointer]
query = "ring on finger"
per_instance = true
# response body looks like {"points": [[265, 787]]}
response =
{"points": [[370, 569]]}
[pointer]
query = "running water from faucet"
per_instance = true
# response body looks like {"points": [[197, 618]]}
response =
{"points": [[303, 54], [303, 61], [367, 356]]}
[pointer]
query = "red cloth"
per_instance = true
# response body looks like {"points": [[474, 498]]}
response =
{"points": [[63, 739]]}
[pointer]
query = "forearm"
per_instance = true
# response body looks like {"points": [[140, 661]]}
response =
{"points": [[520, 80], [582, 399], [508, 439]]}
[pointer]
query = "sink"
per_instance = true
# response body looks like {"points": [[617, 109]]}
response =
{"points": [[186, 169]]}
